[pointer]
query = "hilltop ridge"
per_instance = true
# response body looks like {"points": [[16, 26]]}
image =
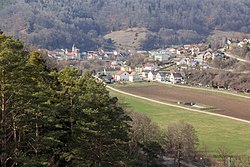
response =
{"points": [[59, 24]]}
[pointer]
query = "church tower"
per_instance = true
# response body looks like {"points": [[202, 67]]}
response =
{"points": [[73, 48]]}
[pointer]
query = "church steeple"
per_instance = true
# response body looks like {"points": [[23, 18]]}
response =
{"points": [[73, 48]]}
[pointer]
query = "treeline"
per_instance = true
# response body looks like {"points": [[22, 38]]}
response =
{"points": [[58, 24]]}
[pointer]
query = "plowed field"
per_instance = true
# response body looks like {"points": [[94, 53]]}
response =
{"points": [[224, 104]]}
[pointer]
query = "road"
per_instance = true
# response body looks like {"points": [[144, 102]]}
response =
{"points": [[235, 57], [229, 70], [177, 106]]}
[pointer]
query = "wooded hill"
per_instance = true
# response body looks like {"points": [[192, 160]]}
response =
{"points": [[59, 24]]}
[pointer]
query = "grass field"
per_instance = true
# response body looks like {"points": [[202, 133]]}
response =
{"points": [[212, 131]]}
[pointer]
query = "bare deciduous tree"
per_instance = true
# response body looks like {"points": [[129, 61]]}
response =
{"points": [[147, 140], [182, 141]]}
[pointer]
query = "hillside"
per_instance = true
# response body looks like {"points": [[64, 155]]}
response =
{"points": [[131, 38], [218, 38], [58, 24]]}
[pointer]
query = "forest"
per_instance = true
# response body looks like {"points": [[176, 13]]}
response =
{"points": [[59, 24]]}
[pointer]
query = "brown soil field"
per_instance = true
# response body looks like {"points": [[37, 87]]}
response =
{"points": [[224, 104]]}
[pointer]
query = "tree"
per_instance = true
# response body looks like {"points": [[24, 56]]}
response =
{"points": [[224, 154], [25, 88], [15, 85], [106, 130], [94, 128], [182, 141], [37, 124], [147, 140], [28, 121]]}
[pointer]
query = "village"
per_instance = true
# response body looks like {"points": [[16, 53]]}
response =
{"points": [[162, 65]]}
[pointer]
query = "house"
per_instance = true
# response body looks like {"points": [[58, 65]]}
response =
{"points": [[121, 76], [92, 55], [187, 47], [125, 68], [135, 77], [151, 76], [161, 57], [199, 58], [160, 76], [208, 56], [172, 50], [144, 74], [219, 54], [167, 77], [175, 77], [108, 79], [182, 61], [194, 50], [139, 68], [150, 66]]}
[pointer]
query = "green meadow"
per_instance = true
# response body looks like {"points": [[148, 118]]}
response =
{"points": [[213, 131]]}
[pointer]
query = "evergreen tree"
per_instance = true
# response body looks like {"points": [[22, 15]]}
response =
{"points": [[96, 129], [38, 137], [16, 85], [107, 126]]}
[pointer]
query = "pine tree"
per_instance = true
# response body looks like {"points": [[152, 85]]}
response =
{"points": [[38, 137], [15, 86], [96, 128]]}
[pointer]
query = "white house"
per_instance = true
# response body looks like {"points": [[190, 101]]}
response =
{"points": [[151, 76], [208, 55], [160, 76], [121, 76], [150, 66], [175, 77], [161, 57], [135, 76]]}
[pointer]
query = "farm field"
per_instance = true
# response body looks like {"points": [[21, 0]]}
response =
{"points": [[212, 131], [222, 103]]}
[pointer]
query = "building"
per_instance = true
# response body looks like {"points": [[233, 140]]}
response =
{"points": [[121, 76], [149, 67], [160, 76], [135, 77], [151, 76], [176, 78]]}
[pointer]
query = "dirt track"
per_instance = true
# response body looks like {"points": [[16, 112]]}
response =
{"points": [[225, 105]]}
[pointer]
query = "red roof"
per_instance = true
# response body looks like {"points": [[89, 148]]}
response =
{"points": [[149, 65], [132, 73]]}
